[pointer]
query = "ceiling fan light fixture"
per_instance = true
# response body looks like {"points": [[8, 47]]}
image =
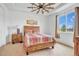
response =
{"points": [[41, 7]]}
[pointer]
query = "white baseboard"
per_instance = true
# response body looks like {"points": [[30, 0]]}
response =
{"points": [[61, 42], [5, 44], [2, 45]]}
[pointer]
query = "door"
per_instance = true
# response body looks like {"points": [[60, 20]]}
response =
{"points": [[76, 33]]}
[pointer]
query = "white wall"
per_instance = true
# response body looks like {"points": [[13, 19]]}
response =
{"points": [[18, 18], [3, 30], [1, 27], [67, 38], [52, 22]]}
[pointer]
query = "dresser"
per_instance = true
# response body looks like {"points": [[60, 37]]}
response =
{"points": [[17, 38]]}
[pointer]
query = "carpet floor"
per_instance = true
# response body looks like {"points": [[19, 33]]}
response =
{"points": [[17, 50]]}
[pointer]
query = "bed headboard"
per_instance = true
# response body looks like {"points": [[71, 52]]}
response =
{"points": [[31, 29]]}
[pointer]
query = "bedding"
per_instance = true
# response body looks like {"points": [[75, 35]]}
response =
{"points": [[32, 39]]}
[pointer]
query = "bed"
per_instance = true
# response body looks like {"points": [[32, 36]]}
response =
{"points": [[34, 41]]}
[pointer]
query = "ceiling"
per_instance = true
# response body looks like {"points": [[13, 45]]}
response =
{"points": [[23, 7]]}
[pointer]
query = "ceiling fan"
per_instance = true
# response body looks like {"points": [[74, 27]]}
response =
{"points": [[41, 7]]}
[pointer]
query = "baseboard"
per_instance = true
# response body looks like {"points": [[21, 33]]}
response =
{"points": [[2, 45], [8, 43], [60, 42], [5, 44]]}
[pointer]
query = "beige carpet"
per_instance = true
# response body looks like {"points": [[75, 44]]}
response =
{"points": [[12, 50], [17, 50]]}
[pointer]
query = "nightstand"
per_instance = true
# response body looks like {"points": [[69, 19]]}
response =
{"points": [[17, 38]]}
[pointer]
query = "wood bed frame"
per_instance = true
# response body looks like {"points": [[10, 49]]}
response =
{"points": [[39, 46]]}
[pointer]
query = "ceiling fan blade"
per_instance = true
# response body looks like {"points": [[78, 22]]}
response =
{"points": [[34, 10], [39, 3], [43, 4], [31, 7], [49, 7], [42, 11], [49, 4], [34, 4], [38, 11], [45, 10]]}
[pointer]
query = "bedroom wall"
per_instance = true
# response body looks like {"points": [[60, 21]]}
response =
{"points": [[51, 20], [18, 19], [3, 26]]}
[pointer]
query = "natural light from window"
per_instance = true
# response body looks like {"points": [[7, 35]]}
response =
{"points": [[66, 22]]}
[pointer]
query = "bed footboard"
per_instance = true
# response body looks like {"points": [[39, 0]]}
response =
{"points": [[39, 46]]}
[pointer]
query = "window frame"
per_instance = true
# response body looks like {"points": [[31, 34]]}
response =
{"points": [[65, 14]]}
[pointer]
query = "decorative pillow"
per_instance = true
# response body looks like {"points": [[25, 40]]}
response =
{"points": [[29, 32], [36, 32]]}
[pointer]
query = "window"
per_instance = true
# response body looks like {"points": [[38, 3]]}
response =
{"points": [[62, 23], [66, 22], [70, 21]]}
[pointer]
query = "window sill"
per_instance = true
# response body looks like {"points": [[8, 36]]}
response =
{"points": [[67, 32]]}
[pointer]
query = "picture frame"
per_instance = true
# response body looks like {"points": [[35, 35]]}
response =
{"points": [[31, 22]]}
